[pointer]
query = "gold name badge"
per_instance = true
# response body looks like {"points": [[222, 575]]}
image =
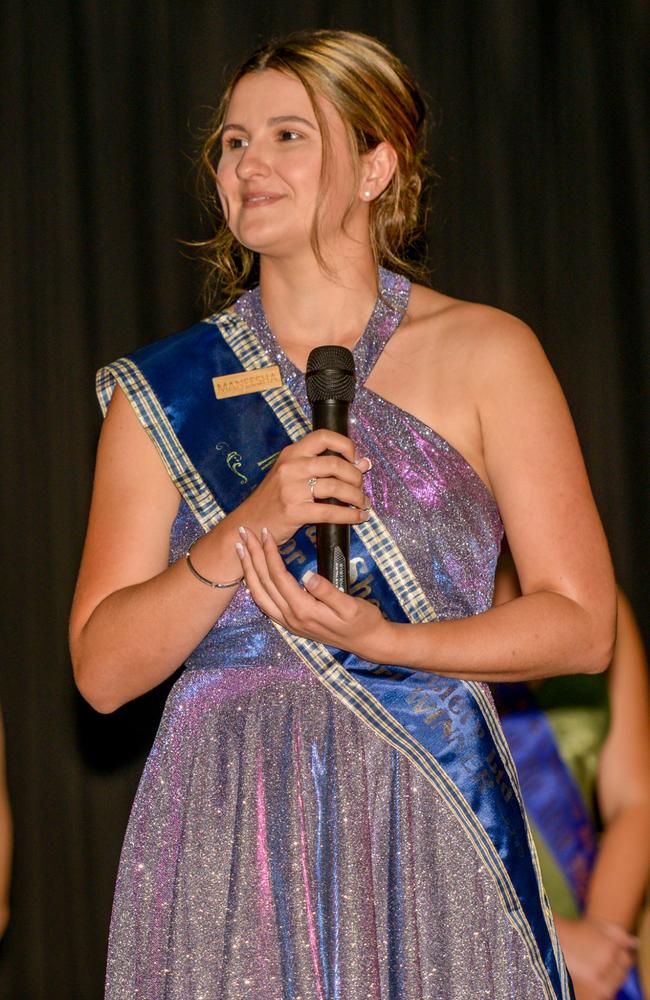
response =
{"points": [[242, 383]]}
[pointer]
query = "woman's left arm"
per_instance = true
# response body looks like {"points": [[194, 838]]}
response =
{"points": [[564, 621]]}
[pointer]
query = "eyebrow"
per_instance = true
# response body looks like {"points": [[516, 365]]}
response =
{"points": [[278, 120]]}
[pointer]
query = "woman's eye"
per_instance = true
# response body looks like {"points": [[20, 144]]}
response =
{"points": [[236, 142], [286, 135]]}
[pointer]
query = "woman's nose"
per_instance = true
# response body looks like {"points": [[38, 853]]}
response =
{"points": [[252, 163]]}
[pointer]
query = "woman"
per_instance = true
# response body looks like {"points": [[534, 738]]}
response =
{"points": [[582, 750], [329, 809]]}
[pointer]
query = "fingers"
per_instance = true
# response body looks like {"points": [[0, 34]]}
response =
{"points": [[334, 489], [327, 594], [257, 578], [302, 474], [329, 478], [334, 478], [331, 513], [274, 575], [617, 934], [316, 593], [278, 594], [301, 604], [331, 466], [316, 442]]}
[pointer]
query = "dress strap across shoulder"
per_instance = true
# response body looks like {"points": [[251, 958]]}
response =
{"points": [[387, 314]]}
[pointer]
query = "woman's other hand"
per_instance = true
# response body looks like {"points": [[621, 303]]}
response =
{"points": [[302, 474], [598, 956], [317, 610]]}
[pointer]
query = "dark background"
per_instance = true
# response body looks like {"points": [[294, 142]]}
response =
{"points": [[541, 144]]}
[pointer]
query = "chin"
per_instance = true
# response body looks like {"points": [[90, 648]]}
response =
{"points": [[273, 244], [257, 236]]}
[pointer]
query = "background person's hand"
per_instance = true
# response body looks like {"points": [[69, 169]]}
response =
{"points": [[598, 956]]}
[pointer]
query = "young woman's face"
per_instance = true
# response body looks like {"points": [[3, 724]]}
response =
{"points": [[269, 174]]}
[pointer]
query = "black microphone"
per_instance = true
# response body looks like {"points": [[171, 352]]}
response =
{"points": [[331, 382]]}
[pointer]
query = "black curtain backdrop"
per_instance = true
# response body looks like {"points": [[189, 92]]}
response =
{"points": [[541, 144]]}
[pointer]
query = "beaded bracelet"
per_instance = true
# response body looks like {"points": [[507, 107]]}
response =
{"points": [[203, 579]]}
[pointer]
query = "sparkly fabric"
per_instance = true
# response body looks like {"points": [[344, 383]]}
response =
{"points": [[278, 849]]}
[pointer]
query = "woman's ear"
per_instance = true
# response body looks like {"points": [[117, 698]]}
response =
{"points": [[378, 166]]}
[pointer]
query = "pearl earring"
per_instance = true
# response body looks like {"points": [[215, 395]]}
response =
{"points": [[367, 194]]}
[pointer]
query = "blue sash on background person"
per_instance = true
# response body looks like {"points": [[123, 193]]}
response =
{"points": [[217, 451], [552, 797]]}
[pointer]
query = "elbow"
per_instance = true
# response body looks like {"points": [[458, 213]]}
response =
{"points": [[94, 678], [93, 688], [97, 697], [600, 659], [601, 646], [102, 705]]}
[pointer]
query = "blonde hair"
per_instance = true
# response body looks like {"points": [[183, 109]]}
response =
{"points": [[378, 101]]}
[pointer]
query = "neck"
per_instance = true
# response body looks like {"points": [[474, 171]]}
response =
{"points": [[307, 307]]}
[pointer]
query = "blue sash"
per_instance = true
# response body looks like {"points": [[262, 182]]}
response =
{"points": [[216, 452], [552, 797]]}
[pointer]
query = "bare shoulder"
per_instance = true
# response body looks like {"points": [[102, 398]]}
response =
{"points": [[131, 482], [133, 506], [477, 330]]}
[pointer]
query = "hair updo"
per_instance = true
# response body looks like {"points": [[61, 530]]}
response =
{"points": [[378, 101]]}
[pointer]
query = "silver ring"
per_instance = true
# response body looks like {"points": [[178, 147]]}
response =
{"points": [[311, 482]]}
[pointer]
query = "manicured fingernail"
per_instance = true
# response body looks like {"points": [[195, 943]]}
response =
{"points": [[239, 549], [243, 533], [366, 459], [365, 515], [307, 577], [369, 507], [264, 534]]}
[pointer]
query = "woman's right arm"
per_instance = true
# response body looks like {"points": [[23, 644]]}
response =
{"points": [[135, 619]]}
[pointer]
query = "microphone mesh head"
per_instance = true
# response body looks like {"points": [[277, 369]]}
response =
{"points": [[330, 374]]}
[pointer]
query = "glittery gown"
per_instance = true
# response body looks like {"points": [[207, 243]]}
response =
{"points": [[278, 848]]}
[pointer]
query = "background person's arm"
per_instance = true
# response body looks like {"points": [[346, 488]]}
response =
{"points": [[6, 837], [598, 946], [620, 876]]}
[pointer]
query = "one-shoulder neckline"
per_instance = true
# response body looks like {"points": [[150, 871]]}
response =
{"points": [[386, 316]]}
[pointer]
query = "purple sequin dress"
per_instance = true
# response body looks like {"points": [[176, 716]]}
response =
{"points": [[278, 849]]}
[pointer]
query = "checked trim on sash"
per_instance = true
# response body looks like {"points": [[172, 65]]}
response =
{"points": [[152, 416], [401, 578]]}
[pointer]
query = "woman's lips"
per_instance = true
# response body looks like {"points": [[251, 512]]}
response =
{"points": [[260, 198]]}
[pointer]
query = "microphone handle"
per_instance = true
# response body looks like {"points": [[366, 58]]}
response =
{"points": [[333, 540]]}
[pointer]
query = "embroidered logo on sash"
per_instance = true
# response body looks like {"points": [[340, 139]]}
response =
{"points": [[233, 460], [241, 383]]}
